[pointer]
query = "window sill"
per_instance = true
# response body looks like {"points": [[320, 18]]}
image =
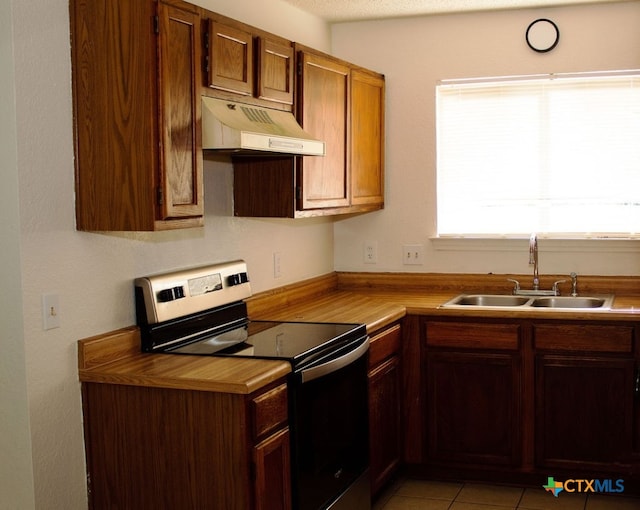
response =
{"points": [[506, 244]]}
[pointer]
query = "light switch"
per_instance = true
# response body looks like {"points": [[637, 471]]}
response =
{"points": [[50, 311]]}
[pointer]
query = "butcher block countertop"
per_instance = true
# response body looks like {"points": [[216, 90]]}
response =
{"points": [[375, 299]]}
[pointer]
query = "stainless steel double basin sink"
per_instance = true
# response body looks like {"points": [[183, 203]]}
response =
{"points": [[519, 302]]}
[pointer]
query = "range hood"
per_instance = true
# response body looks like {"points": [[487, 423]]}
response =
{"points": [[241, 128]]}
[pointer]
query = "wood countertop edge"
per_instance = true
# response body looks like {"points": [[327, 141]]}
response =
{"points": [[268, 374]]}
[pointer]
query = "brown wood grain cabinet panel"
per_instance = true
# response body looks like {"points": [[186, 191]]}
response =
{"points": [[385, 344], [270, 410], [473, 335], [136, 115], [150, 448], [473, 408], [264, 186], [367, 138], [273, 472], [413, 397], [180, 113], [385, 406], [323, 111], [385, 419], [584, 337], [230, 58], [276, 67], [584, 412]]}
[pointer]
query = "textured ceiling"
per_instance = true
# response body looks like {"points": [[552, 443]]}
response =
{"points": [[350, 10]]}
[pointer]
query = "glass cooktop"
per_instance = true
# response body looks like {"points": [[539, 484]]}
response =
{"points": [[274, 340]]}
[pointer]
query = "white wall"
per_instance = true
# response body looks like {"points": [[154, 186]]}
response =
{"points": [[92, 273], [16, 473], [414, 54]]}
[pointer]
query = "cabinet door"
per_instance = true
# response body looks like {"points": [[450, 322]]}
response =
{"points": [[473, 408], [115, 102], [584, 412], [272, 469], [180, 115], [275, 71], [367, 138], [230, 59], [324, 113], [385, 423]]}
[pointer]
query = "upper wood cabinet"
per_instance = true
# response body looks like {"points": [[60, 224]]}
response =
{"points": [[343, 105], [367, 138], [248, 63], [276, 69], [323, 112], [136, 94], [230, 58]]}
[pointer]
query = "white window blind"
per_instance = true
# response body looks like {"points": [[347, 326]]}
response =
{"points": [[556, 155]]}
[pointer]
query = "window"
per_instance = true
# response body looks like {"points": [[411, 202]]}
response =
{"points": [[558, 155]]}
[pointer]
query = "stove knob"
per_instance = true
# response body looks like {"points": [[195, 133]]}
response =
{"points": [[237, 279], [167, 295]]}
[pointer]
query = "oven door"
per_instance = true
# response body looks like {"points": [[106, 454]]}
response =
{"points": [[330, 432]]}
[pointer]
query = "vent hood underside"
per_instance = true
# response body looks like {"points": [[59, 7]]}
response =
{"points": [[240, 128]]}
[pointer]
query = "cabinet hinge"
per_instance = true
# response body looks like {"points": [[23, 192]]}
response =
{"points": [[298, 193], [206, 52], [159, 195], [156, 24], [299, 67]]}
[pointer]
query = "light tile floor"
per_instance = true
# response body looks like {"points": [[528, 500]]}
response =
{"points": [[411, 494]]}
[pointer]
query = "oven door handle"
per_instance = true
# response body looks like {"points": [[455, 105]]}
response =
{"points": [[309, 374]]}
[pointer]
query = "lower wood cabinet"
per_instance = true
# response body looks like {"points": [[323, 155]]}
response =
{"points": [[385, 412], [150, 448], [473, 394], [272, 464], [584, 397], [527, 399]]}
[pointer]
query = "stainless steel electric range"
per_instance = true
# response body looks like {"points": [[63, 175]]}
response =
{"points": [[201, 312]]}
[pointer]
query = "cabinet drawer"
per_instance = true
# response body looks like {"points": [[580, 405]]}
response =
{"points": [[583, 337], [473, 335], [384, 345], [269, 410]]}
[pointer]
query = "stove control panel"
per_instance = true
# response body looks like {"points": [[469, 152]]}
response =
{"points": [[166, 296]]}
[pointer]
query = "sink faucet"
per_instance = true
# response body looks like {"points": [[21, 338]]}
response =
{"points": [[574, 284], [533, 259]]}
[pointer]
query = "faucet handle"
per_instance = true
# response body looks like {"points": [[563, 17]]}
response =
{"points": [[516, 287], [556, 292]]}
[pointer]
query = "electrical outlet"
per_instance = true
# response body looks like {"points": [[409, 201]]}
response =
{"points": [[413, 254], [370, 252], [50, 311], [277, 270]]}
